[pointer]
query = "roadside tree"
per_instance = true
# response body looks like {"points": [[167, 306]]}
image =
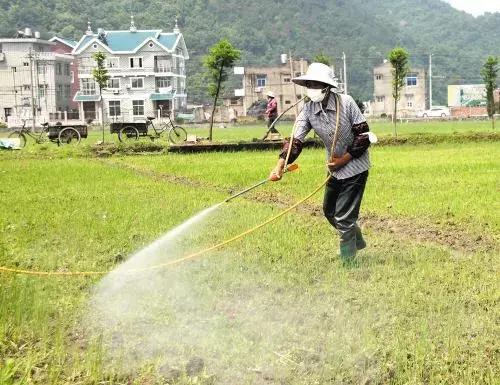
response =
{"points": [[101, 77], [399, 61], [489, 73], [220, 58]]}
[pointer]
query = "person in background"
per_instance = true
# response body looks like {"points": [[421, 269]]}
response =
{"points": [[271, 111], [347, 164]]}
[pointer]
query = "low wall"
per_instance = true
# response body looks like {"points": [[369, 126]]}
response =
{"points": [[466, 112]]}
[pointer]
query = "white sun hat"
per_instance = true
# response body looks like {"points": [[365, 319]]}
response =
{"points": [[317, 72], [270, 93]]}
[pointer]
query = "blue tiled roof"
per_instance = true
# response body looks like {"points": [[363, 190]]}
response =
{"points": [[119, 41], [168, 39], [126, 40]]}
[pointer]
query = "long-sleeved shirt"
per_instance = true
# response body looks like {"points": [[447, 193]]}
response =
{"points": [[272, 107], [350, 137]]}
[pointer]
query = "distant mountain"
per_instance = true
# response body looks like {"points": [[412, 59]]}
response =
{"points": [[364, 29]]}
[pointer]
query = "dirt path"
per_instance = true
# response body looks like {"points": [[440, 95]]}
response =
{"points": [[448, 235]]}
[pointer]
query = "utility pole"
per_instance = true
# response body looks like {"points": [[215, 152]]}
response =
{"points": [[32, 86], [345, 73], [15, 90], [430, 81], [294, 89]]}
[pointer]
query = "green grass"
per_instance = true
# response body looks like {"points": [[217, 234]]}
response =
{"points": [[279, 300]]}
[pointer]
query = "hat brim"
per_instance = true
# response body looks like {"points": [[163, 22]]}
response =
{"points": [[301, 80]]}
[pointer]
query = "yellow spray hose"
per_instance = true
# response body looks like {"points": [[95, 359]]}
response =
{"points": [[170, 263], [197, 254]]}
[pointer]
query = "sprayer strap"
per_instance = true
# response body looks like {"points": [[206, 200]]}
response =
{"points": [[337, 123]]}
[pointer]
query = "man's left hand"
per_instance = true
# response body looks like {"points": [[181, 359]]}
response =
{"points": [[338, 162]]}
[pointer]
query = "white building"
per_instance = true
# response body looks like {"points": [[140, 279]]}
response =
{"points": [[33, 80], [146, 69], [413, 94]]}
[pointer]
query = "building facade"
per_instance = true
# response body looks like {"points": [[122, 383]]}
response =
{"points": [[257, 81], [35, 81], [146, 69], [413, 94], [66, 46]]}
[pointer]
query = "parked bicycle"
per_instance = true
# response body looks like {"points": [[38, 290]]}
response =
{"points": [[132, 131], [59, 134]]}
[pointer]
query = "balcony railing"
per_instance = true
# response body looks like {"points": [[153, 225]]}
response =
{"points": [[136, 71]]}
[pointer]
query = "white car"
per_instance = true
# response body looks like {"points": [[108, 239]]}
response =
{"points": [[433, 112]]}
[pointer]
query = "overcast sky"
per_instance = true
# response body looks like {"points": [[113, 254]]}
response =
{"points": [[476, 7]]}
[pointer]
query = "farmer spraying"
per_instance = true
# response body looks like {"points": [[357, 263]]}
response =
{"points": [[271, 111], [347, 163]]}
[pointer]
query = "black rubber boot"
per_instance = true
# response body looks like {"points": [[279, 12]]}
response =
{"points": [[360, 242], [348, 246]]}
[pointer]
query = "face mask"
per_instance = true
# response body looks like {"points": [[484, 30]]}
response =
{"points": [[316, 95]]}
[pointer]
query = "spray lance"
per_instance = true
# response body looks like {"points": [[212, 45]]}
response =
{"points": [[290, 168]]}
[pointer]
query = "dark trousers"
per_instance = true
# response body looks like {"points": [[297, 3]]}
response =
{"points": [[341, 205], [270, 120]]}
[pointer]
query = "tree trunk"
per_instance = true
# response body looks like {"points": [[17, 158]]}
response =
{"points": [[215, 103], [394, 116], [102, 113]]}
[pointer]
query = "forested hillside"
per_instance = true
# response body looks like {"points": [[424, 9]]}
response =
{"points": [[364, 29]]}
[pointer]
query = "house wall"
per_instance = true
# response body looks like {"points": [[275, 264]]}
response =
{"points": [[62, 48], [19, 74], [125, 93], [278, 80], [413, 98]]}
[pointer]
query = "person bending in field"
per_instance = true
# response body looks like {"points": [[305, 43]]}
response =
{"points": [[348, 164]]}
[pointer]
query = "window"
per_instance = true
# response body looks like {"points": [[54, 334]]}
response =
{"points": [[26, 64], [138, 107], [114, 83], [380, 98], [288, 102], [137, 83], [67, 69], [261, 80], [59, 91], [42, 90], [112, 62], [72, 74], [67, 91], [41, 68], [58, 69], [286, 80], [26, 87], [409, 104], [114, 108], [136, 62], [151, 45], [163, 82], [378, 77], [234, 101], [88, 87], [411, 79], [94, 45]]}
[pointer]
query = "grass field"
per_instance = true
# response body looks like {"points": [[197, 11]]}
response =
{"points": [[278, 306]]}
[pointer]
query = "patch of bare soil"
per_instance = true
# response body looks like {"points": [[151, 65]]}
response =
{"points": [[447, 234]]}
